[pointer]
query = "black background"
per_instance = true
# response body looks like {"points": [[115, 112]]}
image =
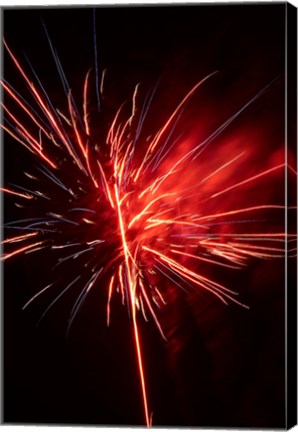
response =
{"points": [[228, 369]]}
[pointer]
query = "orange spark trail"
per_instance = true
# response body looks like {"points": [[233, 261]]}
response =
{"points": [[9, 191], [18, 238], [18, 251]]}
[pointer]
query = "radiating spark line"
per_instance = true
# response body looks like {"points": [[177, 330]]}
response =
{"points": [[122, 288], [145, 210], [74, 255], [241, 249], [81, 299], [143, 310], [197, 279], [18, 238], [110, 135], [60, 71], [265, 248], [55, 180], [155, 222], [10, 191], [40, 140], [134, 103], [63, 219], [107, 189], [85, 104], [23, 106], [57, 298], [18, 251], [292, 169], [33, 250], [152, 311], [30, 176], [88, 221], [109, 300], [83, 209], [95, 242], [48, 113], [65, 246], [169, 277], [103, 76], [24, 220], [157, 183], [225, 165], [34, 144], [56, 59], [32, 150], [160, 157], [36, 295], [255, 177], [74, 125], [63, 116], [203, 259], [160, 296]]}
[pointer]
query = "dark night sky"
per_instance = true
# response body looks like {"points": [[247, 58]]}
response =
{"points": [[229, 364]]}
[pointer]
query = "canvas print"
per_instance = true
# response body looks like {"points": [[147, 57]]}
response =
{"points": [[149, 215]]}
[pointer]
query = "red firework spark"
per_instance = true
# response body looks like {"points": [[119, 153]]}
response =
{"points": [[166, 213]]}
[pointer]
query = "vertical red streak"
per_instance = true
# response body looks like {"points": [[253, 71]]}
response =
{"points": [[109, 301], [131, 290]]}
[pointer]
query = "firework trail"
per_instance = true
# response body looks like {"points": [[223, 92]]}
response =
{"points": [[134, 210]]}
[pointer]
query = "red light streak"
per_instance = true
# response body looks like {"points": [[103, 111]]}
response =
{"points": [[129, 262]]}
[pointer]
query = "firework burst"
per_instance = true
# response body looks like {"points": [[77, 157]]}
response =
{"points": [[138, 211]]}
